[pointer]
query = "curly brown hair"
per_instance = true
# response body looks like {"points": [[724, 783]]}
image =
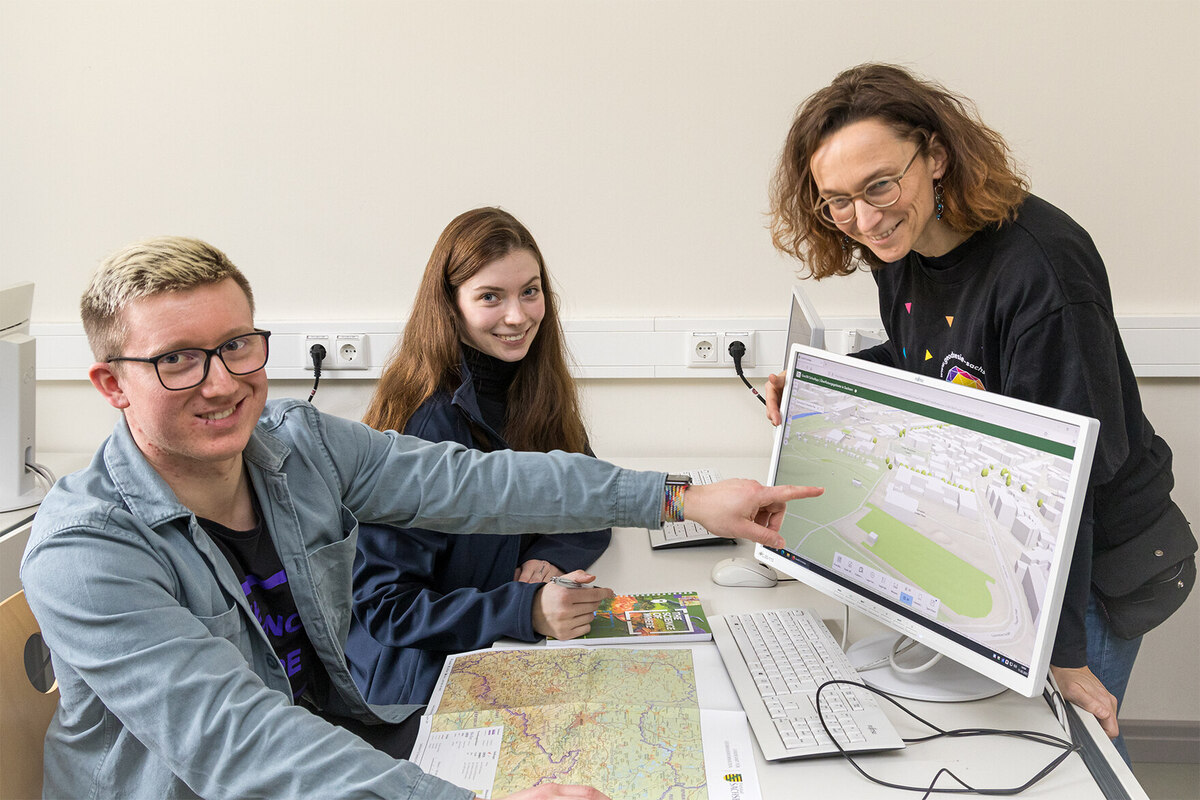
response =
{"points": [[982, 185], [543, 403]]}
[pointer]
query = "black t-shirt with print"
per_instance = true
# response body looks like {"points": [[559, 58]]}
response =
{"points": [[264, 581]]}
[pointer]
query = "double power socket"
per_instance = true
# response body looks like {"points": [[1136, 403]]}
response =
{"points": [[347, 351], [342, 350], [711, 348]]}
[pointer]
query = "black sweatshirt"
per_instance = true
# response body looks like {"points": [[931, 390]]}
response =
{"points": [[1025, 309]]}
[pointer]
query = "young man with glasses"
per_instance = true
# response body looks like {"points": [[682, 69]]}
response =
{"points": [[193, 583]]}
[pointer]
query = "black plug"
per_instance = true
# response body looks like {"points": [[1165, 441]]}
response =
{"points": [[737, 349], [317, 353]]}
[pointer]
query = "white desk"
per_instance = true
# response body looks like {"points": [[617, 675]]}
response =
{"points": [[630, 565]]}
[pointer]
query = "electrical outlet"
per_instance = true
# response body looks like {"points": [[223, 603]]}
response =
{"points": [[342, 350], [350, 351], [747, 339], [703, 349]]}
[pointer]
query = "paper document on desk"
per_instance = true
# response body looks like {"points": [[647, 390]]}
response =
{"points": [[466, 758], [627, 721]]}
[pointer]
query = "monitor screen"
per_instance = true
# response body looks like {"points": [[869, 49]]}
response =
{"points": [[949, 514]]}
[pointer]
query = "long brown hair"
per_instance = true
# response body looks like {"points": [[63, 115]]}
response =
{"points": [[543, 404], [981, 185]]}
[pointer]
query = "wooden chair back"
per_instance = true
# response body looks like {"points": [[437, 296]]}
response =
{"points": [[25, 709]]}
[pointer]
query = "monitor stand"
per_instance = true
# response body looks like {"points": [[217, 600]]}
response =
{"points": [[947, 681], [18, 361]]}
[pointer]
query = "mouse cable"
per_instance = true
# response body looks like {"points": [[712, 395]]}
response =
{"points": [[1066, 745], [1057, 704], [736, 351], [317, 352]]}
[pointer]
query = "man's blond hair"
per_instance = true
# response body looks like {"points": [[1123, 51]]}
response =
{"points": [[144, 269]]}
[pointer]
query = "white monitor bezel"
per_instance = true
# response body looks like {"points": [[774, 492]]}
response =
{"points": [[16, 307], [803, 311], [1031, 684]]}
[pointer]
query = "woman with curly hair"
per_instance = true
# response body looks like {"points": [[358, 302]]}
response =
{"points": [[982, 283]]}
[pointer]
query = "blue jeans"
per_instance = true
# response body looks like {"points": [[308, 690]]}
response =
{"points": [[1110, 658]]}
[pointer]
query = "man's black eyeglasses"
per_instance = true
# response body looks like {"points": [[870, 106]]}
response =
{"points": [[187, 368]]}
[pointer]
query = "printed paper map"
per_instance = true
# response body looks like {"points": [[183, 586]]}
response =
{"points": [[625, 721], [957, 525]]}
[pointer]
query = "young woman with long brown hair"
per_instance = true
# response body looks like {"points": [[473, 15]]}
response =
{"points": [[481, 362]]}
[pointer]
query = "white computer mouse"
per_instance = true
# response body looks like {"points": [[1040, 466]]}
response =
{"points": [[743, 572]]}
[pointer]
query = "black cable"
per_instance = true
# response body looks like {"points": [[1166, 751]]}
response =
{"points": [[317, 352], [1067, 746], [737, 349]]}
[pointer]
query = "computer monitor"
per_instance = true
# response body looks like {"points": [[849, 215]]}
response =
{"points": [[18, 357], [804, 323], [949, 515], [16, 307]]}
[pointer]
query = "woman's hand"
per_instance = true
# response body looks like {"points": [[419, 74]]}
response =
{"points": [[536, 571], [1081, 687], [773, 393], [563, 612]]}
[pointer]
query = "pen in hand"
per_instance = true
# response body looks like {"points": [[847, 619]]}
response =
{"points": [[566, 605], [567, 582]]}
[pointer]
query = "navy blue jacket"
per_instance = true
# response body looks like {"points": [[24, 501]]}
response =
{"points": [[422, 594]]}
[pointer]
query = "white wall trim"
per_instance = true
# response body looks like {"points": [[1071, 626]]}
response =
{"points": [[651, 347]]}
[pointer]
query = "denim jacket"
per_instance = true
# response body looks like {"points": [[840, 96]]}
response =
{"points": [[168, 684]]}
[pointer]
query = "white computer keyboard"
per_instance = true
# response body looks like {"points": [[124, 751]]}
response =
{"points": [[777, 659], [683, 534]]}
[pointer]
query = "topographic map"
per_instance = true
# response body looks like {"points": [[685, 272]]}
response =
{"points": [[624, 721]]}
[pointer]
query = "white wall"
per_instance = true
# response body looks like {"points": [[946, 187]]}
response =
{"points": [[324, 145]]}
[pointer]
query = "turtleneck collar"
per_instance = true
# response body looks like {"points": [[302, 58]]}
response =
{"points": [[490, 376]]}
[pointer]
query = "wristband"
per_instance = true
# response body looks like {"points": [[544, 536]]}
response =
{"points": [[673, 492]]}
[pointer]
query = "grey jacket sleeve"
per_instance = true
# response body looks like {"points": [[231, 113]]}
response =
{"points": [[443, 486]]}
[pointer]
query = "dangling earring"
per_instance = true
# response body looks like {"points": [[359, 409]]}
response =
{"points": [[938, 192], [845, 242]]}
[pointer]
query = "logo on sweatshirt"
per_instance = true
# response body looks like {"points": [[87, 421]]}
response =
{"points": [[957, 369]]}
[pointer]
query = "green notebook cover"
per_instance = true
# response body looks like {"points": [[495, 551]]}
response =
{"points": [[661, 616]]}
